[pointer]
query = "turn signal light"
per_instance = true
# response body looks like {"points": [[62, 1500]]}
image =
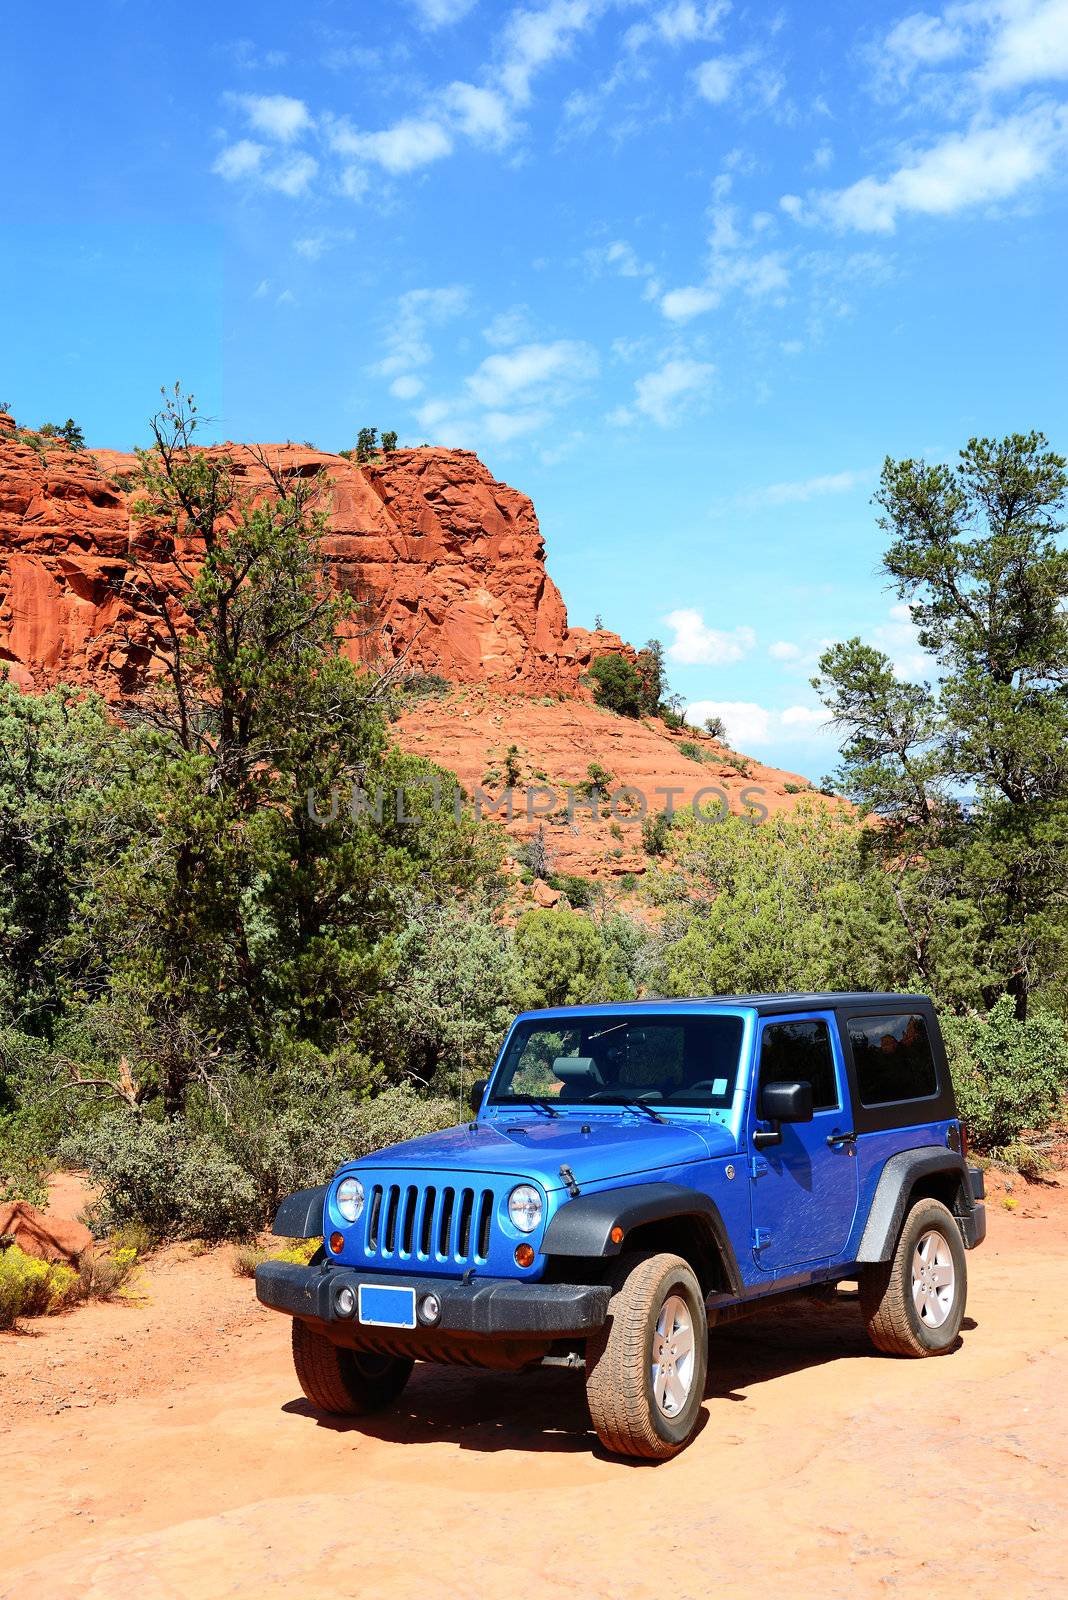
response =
{"points": [[524, 1255], [337, 1243], [616, 1234]]}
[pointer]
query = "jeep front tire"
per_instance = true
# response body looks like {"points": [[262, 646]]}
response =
{"points": [[913, 1304], [345, 1383], [645, 1369]]}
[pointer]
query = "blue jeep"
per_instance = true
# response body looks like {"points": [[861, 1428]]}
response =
{"points": [[633, 1175]]}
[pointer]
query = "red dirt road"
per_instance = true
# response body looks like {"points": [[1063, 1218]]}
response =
{"points": [[163, 1450]]}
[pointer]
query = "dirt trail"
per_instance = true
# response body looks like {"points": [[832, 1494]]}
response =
{"points": [[163, 1450]]}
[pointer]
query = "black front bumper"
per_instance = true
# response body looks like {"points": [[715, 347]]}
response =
{"points": [[482, 1307]]}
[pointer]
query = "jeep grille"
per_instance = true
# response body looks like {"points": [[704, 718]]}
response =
{"points": [[428, 1222]]}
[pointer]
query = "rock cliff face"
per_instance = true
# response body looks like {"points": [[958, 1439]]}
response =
{"points": [[447, 563]]}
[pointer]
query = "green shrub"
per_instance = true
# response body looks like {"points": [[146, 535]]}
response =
{"points": [[247, 1257], [617, 685], [30, 1288], [1025, 1159], [1009, 1075], [225, 1179], [580, 891], [692, 752], [656, 830], [103, 1274], [162, 1175]]}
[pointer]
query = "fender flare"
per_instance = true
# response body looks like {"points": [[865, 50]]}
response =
{"points": [[300, 1216], [896, 1180], [583, 1226]]}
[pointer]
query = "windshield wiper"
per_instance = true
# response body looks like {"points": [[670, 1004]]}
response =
{"points": [[638, 1105], [536, 1100]]}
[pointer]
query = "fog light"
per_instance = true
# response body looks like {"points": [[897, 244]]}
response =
{"points": [[524, 1255], [337, 1243], [345, 1302], [430, 1310]]}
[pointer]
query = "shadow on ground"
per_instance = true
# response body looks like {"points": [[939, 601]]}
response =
{"points": [[545, 1410]]}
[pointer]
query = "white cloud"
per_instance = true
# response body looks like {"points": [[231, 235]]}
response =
{"points": [[823, 155], [413, 142], [681, 23], [747, 723], [716, 79], [898, 639], [508, 375], [482, 115], [507, 328], [1031, 46], [987, 163], [535, 37], [804, 717], [292, 177], [406, 388], [922, 40], [695, 644], [658, 393], [311, 249], [442, 13], [278, 116], [240, 160], [417, 310], [679, 305], [783, 650], [750, 725], [802, 489]]}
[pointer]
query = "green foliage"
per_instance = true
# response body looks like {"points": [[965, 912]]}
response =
{"points": [[566, 959], [424, 686], [298, 1252], [656, 828], [1010, 1076], [617, 685], [694, 752], [389, 441], [598, 780], [977, 552], [31, 1288], [716, 727], [513, 771], [165, 1176], [579, 891], [787, 904]]}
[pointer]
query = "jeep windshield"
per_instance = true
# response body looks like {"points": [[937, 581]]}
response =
{"points": [[616, 1060]]}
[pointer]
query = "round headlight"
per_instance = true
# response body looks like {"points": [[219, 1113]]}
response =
{"points": [[349, 1198], [524, 1207]]}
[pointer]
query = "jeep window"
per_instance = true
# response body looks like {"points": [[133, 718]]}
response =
{"points": [[687, 1061], [893, 1059], [801, 1051]]}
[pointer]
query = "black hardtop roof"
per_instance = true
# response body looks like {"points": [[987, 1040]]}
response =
{"points": [[765, 1004]]}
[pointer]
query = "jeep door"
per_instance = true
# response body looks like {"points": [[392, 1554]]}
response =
{"points": [[804, 1182]]}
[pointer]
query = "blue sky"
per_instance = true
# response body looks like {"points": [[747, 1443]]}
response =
{"points": [[683, 272]]}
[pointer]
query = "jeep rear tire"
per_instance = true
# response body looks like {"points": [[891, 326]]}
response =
{"points": [[913, 1304], [645, 1369], [346, 1383]]}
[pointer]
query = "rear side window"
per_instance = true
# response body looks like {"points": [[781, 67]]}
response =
{"points": [[893, 1058], [800, 1050]]}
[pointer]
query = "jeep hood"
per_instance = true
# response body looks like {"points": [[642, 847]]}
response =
{"points": [[535, 1147]]}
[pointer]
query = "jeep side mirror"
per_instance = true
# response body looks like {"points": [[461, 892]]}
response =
{"points": [[477, 1093], [786, 1102]]}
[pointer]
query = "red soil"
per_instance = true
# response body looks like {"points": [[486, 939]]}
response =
{"points": [[162, 1448]]}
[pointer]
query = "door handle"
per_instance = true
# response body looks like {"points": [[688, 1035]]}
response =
{"points": [[836, 1139]]}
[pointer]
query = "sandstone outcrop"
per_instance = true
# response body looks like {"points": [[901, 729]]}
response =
{"points": [[448, 566]]}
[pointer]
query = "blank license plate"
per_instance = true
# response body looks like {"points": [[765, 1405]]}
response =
{"points": [[386, 1308]]}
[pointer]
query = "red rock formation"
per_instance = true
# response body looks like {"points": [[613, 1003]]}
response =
{"points": [[448, 564], [49, 1238]]}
